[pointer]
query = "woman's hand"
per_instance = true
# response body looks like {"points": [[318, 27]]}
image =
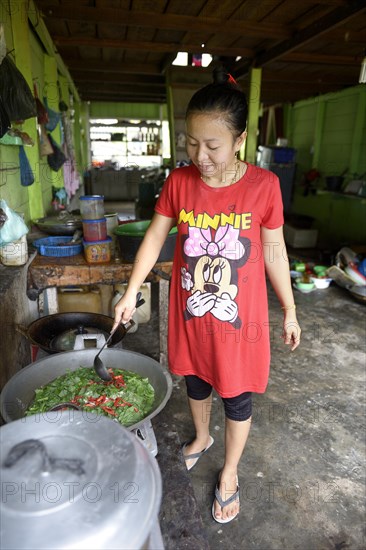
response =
{"points": [[291, 331], [124, 309]]}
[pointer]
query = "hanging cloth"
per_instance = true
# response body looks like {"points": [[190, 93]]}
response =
{"points": [[42, 114], [57, 158], [26, 174], [53, 117], [45, 147]]}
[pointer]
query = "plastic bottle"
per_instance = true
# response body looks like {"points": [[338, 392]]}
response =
{"points": [[15, 253]]}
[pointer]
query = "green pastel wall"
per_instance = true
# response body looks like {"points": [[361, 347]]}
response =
{"points": [[336, 140], [11, 191], [329, 134], [149, 111], [40, 68]]}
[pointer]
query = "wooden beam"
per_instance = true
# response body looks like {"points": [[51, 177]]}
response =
{"points": [[321, 59], [133, 79], [116, 90], [105, 67], [160, 47], [89, 95], [301, 77], [318, 28], [99, 90], [167, 21]]}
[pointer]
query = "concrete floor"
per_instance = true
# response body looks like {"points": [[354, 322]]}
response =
{"points": [[302, 475]]}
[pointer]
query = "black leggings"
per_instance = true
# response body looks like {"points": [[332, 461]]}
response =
{"points": [[237, 408]]}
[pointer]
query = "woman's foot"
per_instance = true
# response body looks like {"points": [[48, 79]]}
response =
{"points": [[195, 449], [227, 487]]}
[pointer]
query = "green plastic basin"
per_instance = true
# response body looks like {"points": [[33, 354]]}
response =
{"points": [[130, 235]]}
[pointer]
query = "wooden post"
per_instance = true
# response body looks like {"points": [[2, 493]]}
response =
{"points": [[318, 132], [253, 114], [170, 106], [358, 133]]}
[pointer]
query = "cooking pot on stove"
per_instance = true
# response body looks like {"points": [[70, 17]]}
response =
{"points": [[58, 332], [77, 481], [18, 392]]}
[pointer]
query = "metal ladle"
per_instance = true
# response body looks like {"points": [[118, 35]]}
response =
{"points": [[98, 364]]}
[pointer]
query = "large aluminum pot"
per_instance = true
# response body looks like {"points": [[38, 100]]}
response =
{"points": [[18, 392], [77, 482]]}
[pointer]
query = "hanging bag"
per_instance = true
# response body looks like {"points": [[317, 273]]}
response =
{"points": [[57, 158], [45, 147], [15, 93], [13, 227], [42, 114], [53, 117], [26, 174], [4, 120]]}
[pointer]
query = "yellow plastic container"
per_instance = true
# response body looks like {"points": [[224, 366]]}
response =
{"points": [[143, 313], [81, 299], [98, 252]]}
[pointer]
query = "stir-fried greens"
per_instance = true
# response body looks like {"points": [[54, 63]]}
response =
{"points": [[127, 397]]}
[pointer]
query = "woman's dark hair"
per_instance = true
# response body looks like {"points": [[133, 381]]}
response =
{"points": [[222, 96]]}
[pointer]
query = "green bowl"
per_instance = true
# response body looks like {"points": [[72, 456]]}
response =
{"points": [[304, 286], [299, 266], [320, 270]]}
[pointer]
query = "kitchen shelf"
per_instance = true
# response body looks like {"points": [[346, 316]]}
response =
{"points": [[11, 140]]}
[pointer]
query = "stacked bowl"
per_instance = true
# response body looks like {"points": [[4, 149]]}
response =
{"points": [[96, 242]]}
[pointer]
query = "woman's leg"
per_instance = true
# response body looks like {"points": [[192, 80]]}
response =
{"points": [[236, 435], [200, 403]]}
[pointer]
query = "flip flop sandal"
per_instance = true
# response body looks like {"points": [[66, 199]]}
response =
{"points": [[224, 503], [195, 456]]}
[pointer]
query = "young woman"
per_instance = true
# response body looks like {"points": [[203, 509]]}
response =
{"points": [[229, 216]]}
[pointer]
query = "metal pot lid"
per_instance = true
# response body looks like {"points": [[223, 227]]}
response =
{"points": [[66, 340], [76, 480], [67, 219]]}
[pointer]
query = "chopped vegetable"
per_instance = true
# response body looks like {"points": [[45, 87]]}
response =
{"points": [[128, 397]]}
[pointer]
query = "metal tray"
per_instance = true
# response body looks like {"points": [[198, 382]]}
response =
{"points": [[59, 225]]}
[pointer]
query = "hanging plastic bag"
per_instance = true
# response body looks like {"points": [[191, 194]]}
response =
{"points": [[53, 117], [57, 158], [15, 93], [2, 42], [45, 147], [4, 120], [14, 227], [42, 114], [26, 174]]}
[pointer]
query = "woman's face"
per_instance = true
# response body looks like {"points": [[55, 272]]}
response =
{"points": [[211, 145]]}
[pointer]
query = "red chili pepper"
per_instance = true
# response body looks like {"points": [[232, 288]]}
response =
{"points": [[101, 399], [108, 410], [118, 381]]}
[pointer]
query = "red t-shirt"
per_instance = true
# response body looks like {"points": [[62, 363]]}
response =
{"points": [[218, 312]]}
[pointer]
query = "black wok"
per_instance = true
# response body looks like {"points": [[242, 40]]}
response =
{"points": [[44, 332]]}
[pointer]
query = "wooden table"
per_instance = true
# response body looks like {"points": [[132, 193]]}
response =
{"points": [[46, 274]]}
